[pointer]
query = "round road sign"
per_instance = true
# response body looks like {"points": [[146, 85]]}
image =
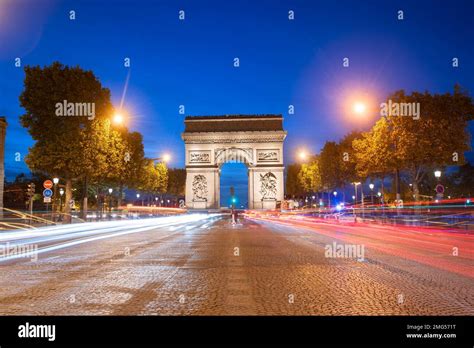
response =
{"points": [[47, 184], [439, 188], [47, 193]]}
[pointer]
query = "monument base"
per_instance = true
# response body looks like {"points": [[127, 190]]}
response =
{"points": [[199, 205], [269, 204]]}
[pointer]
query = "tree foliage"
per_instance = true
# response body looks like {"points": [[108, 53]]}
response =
{"points": [[85, 149], [176, 181], [310, 175]]}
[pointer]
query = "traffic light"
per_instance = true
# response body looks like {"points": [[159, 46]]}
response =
{"points": [[31, 190]]}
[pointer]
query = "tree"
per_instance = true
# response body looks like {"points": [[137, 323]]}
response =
{"points": [[59, 146], [463, 181], [309, 176], [439, 137], [348, 159], [102, 156], [153, 177], [176, 181], [132, 161], [293, 185], [374, 152], [330, 160]]}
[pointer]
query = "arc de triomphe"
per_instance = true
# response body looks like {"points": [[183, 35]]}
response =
{"points": [[256, 140]]}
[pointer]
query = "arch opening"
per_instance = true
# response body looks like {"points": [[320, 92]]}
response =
{"points": [[234, 175]]}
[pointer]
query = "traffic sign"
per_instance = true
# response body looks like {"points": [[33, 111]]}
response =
{"points": [[47, 184], [439, 188], [47, 193], [46, 199]]}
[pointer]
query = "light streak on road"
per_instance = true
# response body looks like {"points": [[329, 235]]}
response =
{"points": [[430, 246], [88, 232]]}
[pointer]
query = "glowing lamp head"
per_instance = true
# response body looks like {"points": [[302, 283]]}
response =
{"points": [[55, 181], [437, 173], [359, 108], [371, 186], [166, 157], [302, 155], [118, 118], [379, 194]]}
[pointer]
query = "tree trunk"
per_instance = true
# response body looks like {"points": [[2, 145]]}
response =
{"points": [[67, 207], [119, 201], [397, 184], [416, 191], [84, 200]]}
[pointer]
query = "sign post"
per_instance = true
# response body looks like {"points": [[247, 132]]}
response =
{"points": [[47, 193]]}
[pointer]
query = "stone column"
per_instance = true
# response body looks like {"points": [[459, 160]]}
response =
{"points": [[211, 175], [250, 185]]}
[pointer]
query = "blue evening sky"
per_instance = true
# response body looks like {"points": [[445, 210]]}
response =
{"points": [[282, 62]]}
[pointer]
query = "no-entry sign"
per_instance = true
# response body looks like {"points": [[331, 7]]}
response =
{"points": [[47, 184]]}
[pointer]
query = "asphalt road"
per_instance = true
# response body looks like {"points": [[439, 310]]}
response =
{"points": [[204, 265]]}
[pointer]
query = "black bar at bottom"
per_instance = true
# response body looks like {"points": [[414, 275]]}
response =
{"points": [[240, 330]]}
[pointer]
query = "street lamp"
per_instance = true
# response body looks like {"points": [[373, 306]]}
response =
{"points": [[302, 155], [359, 108], [371, 186], [118, 119], [61, 193], [437, 174], [355, 196], [165, 158], [55, 182], [110, 199]]}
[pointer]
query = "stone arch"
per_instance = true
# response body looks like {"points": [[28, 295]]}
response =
{"points": [[256, 140]]}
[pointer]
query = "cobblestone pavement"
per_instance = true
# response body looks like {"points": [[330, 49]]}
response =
{"points": [[215, 268]]}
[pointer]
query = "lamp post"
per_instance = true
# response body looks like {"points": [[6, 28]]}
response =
{"points": [[110, 200], [163, 159], [55, 182], [61, 193], [437, 174], [371, 186], [118, 119], [355, 197]]}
